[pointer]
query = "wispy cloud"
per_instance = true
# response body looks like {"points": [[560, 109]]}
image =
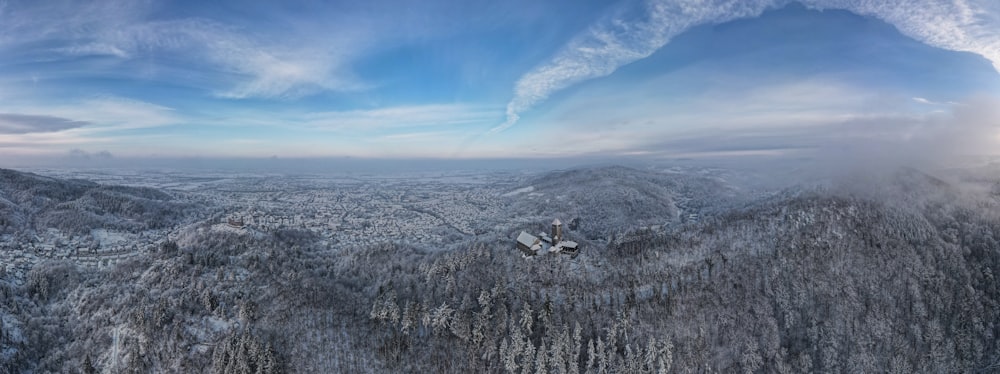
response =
{"points": [[925, 101], [773, 114], [258, 70], [268, 71], [434, 127], [116, 113], [97, 120], [251, 66], [25, 123], [616, 41], [52, 141], [401, 117], [959, 25]]}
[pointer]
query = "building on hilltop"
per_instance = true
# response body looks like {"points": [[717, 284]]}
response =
{"points": [[556, 230], [553, 242], [528, 243], [236, 223], [567, 247]]}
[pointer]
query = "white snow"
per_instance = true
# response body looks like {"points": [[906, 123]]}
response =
{"points": [[519, 191], [107, 238], [226, 228]]}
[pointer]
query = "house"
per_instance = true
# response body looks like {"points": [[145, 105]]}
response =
{"points": [[236, 223], [529, 244], [567, 247], [553, 242]]}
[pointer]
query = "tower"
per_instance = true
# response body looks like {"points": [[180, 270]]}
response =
{"points": [[556, 231]]}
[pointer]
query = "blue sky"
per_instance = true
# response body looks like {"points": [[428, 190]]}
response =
{"points": [[488, 79]]}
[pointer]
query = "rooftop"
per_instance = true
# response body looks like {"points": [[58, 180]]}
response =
{"points": [[526, 239]]}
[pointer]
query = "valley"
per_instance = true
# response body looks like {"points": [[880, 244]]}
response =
{"points": [[383, 273]]}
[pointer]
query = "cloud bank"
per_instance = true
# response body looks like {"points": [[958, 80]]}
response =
{"points": [[633, 34]]}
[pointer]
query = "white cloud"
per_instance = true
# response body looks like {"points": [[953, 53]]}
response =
{"points": [[53, 141], [88, 123], [258, 70], [617, 41], [95, 49], [428, 137], [400, 117], [403, 130], [778, 114], [286, 66], [13, 123], [102, 114], [122, 113], [959, 25], [925, 101], [812, 117]]}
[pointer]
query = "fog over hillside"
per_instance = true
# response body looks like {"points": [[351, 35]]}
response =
{"points": [[681, 269]]}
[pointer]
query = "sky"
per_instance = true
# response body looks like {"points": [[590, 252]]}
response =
{"points": [[469, 79]]}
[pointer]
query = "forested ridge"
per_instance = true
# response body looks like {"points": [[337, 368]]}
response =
{"points": [[30, 202], [894, 274]]}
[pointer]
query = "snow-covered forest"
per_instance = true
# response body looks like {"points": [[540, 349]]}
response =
{"points": [[680, 271]]}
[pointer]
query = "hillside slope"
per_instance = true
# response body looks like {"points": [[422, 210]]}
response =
{"points": [[30, 202], [597, 202], [823, 279]]}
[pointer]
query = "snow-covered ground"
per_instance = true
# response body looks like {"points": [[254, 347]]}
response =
{"points": [[519, 191], [108, 239]]}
